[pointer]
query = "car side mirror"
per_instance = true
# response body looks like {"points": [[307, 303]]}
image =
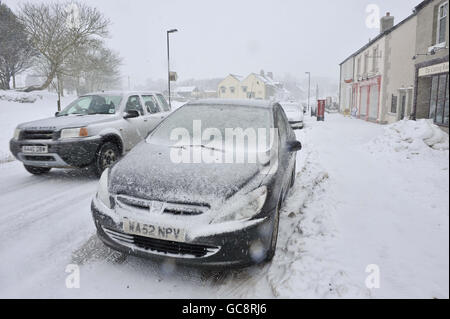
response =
{"points": [[131, 114], [294, 146], [57, 113]]}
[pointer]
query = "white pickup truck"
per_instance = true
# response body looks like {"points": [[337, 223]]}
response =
{"points": [[94, 130]]}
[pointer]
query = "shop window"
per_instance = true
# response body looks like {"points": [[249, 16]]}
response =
{"points": [[394, 104], [439, 107]]}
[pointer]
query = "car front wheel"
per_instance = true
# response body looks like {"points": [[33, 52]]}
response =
{"points": [[273, 241], [106, 155], [37, 170]]}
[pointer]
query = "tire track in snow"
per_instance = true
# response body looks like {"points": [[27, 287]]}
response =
{"points": [[52, 206]]}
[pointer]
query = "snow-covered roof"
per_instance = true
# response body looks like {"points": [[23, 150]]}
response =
{"points": [[237, 77], [265, 79], [122, 93]]}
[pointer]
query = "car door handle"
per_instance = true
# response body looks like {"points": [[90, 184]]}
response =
{"points": [[145, 120]]}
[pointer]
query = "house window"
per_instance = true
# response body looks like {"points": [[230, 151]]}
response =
{"points": [[375, 60], [366, 62], [223, 89], [394, 104], [232, 89], [442, 22], [358, 67], [439, 107], [244, 89]]}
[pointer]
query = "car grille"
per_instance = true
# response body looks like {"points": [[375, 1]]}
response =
{"points": [[39, 158], [37, 135], [162, 246], [170, 208]]}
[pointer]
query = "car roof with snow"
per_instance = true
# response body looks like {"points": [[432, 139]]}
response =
{"points": [[122, 93], [234, 102]]}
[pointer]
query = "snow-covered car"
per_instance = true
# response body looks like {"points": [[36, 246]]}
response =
{"points": [[294, 112], [94, 130], [214, 212]]}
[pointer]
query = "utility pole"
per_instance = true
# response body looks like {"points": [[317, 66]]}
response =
{"points": [[309, 88], [168, 64]]}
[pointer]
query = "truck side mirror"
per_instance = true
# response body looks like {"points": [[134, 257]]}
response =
{"points": [[131, 114]]}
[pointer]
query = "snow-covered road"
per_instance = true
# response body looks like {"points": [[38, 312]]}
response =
{"points": [[351, 206]]}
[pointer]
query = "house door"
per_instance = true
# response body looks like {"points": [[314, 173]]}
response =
{"points": [[363, 103], [402, 106], [373, 103]]}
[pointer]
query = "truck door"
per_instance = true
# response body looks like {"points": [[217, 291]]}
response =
{"points": [[153, 114], [134, 130]]}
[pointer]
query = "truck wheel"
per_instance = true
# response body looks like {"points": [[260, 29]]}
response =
{"points": [[37, 170], [106, 155], [273, 242]]}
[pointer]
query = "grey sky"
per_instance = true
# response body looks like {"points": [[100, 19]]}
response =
{"points": [[239, 36]]}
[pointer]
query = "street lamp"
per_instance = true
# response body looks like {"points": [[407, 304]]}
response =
{"points": [[309, 88], [168, 62]]}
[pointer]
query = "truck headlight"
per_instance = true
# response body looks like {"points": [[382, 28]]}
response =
{"points": [[244, 207], [16, 133], [74, 132], [102, 191]]}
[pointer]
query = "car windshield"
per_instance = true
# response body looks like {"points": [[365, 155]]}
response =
{"points": [[93, 104], [216, 119]]}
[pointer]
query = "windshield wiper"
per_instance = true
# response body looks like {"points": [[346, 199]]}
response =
{"points": [[199, 145]]}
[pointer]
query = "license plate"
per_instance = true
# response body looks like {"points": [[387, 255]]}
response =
{"points": [[36, 149], [153, 231]]}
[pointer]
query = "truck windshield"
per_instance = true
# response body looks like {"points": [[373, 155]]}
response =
{"points": [[93, 104]]}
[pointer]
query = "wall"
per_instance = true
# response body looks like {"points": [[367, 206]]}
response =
{"points": [[255, 85], [400, 48], [229, 82], [345, 96]]}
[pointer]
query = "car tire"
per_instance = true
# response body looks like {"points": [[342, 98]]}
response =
{"points": [[37, 170], [293, 176], [106, 155], [273, 242]]}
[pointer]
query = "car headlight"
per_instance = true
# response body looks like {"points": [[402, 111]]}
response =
{"points": [[74, 132], [102, 192], [244, 207], [16, 133]]}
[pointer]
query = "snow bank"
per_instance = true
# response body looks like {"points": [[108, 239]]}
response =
{"points": [[14, 113], [411, 136], [20, 97]]}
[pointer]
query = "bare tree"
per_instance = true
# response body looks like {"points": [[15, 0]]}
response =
{"points": [[15, 50], [92, 67], [59, 28]]}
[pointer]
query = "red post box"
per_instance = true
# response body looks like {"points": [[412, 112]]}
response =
{"points": [[321, 110]]}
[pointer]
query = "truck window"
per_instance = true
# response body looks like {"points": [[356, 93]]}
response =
{"points": [[163, 103], [150, 104], [134, 103]]}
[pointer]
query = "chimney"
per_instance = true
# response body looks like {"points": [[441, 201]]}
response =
{"points": [[270, 75], [386, 22], [262, 73]]}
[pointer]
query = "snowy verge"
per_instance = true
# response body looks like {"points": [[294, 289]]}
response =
{"points": [[305, 265], [20, 97], [411, 136]]}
